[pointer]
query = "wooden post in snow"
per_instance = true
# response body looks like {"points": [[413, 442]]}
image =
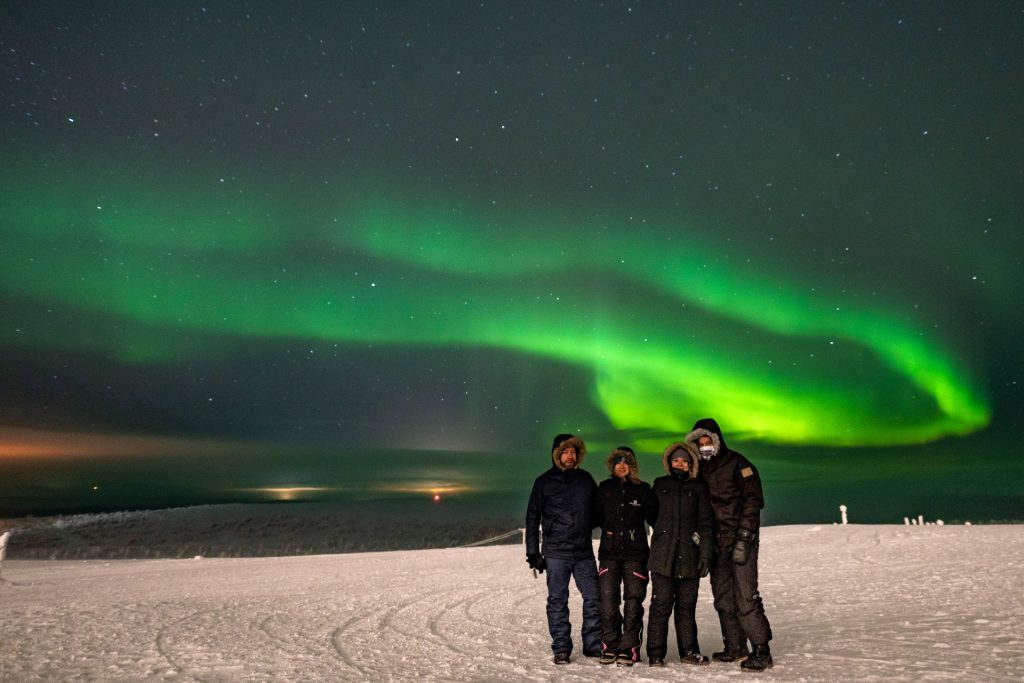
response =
{"points": [[3, 548]]}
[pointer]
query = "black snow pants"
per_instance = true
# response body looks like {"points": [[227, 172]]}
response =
{"points": [[622, 631], [668, 596], [737, 601]]}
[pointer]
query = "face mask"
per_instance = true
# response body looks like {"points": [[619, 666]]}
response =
{"points": [[707, 451]]}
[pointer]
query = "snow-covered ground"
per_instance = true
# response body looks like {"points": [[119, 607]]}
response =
{"points": [[846, 603]]}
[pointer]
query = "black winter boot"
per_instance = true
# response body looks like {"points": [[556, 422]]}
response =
{"points": [[759, 660], [731, 653], [693, 657], [628, 657]]}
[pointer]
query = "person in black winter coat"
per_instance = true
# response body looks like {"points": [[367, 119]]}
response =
{"points": [[737, 499], [563, 504], [680, 554], [624, 507]]}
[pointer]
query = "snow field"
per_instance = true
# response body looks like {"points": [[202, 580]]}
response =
{"points": [[867, 603]]}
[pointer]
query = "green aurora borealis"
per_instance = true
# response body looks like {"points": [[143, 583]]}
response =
{"points": [[458, 278], [467, 228]]}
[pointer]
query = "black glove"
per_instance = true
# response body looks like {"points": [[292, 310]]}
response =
{"points": [[537, 562], [703, 567], [740, 551]]}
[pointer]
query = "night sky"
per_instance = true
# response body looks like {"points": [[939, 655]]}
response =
{"points": [[232, 229]]}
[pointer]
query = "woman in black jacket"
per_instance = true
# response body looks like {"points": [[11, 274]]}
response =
{"points": [[681, 549], [623, 508]]}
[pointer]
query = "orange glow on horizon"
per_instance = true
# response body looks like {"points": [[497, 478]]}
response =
{"points": [[17, 442], [285, 493]]}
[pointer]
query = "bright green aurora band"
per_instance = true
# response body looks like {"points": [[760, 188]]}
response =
{"points": [[669, 332]]}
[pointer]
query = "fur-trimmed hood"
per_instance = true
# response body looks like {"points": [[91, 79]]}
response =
{"points": [[707, 427], [630, 458], [690, 451], [563, 441]]}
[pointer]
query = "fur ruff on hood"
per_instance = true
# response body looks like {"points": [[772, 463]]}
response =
{"points": [[690, 451], [630, 458], [693, 438], [581, 450]]}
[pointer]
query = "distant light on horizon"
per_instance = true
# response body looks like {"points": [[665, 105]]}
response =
{"points": [[431, 488], [290, 493]]}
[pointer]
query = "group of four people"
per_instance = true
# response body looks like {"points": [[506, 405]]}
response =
{"points": [[705, 516]]}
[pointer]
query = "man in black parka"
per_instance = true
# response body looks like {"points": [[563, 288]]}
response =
{"points": [[680, 554], [624, 507], [737, 499], [563, 503]]}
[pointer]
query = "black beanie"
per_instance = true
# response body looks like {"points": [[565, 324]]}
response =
{"points": [[558, 441]]}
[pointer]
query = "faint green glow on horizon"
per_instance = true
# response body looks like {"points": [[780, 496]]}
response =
{"points": [[166, 266]]}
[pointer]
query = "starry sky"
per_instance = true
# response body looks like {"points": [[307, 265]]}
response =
{"points": [[235, 229]]}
